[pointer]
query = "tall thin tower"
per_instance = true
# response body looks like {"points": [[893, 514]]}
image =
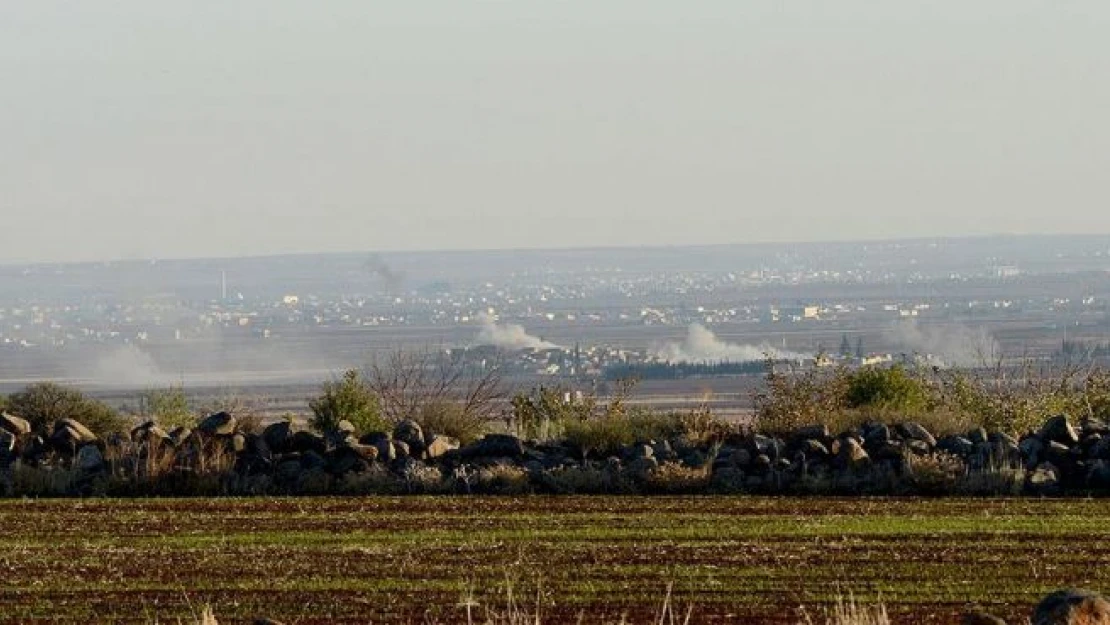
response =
{"points": [[223, 286]]}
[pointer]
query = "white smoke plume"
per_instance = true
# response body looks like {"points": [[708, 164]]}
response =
{"points": [[702, 346], [945, 345], [129, 366], [509, 336]]}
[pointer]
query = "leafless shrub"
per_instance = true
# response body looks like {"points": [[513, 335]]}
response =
{"points": [[405, 381]]}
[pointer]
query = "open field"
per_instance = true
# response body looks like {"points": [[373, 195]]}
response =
{"points": [[358, 560]]}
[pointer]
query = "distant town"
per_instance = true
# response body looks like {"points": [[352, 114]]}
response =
{"points": [[585, 314]]}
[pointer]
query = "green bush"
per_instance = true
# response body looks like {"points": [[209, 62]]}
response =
{"points": [[43, 403], [347, 398], [615, 429], [543, 413], [169, 407], [886, 388]]}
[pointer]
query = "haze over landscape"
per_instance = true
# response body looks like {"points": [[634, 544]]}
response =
{"points": [[774, 312], [160, 130]]}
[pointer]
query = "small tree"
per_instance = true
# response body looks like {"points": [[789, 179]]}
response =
{"points": [[167, 406], [347, 398], [43, 403]]}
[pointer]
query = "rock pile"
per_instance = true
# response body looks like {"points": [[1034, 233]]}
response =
{"points": [[904, 458]]}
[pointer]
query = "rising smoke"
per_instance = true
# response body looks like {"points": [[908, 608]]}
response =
{"points": [[509, 336], [392, 279], [129, 366], [947, 345], [702, 346]]}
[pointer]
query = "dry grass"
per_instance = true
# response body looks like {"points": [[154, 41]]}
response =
{"points": [[850, 612]]}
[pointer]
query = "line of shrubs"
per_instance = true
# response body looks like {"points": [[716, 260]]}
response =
{"points": [[873, 430], [218, 457]]}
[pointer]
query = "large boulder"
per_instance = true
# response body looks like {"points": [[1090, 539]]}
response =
{"points": [[1032, 451], [70, 434], [218, 424], [151, 435], [352, 458], [850, 455], [1072, 606], [914, 431], [439, 445], [16, 425], [1045, 479], [495, 446], [89, 459], [957, 445], [279, 436], [410, 433], [1059, 430]]}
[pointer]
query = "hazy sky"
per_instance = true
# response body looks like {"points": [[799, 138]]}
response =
{"points": [[213, 127]]}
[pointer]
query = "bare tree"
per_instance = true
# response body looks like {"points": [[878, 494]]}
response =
{"points": [[406, 381]]}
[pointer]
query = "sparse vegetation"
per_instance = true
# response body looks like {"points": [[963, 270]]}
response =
{"points": [[450, 419], [346, 399], [1012, 399], [44, 403], [169, 407]]}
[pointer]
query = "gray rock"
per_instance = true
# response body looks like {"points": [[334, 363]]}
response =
{"points": [[877, 436], [958, 445], [1072, 606], [768, 446], [7, 441], [851, 455], [1091, 425], [663, 450], [641, 468], [1098, 475], [289, 470], [180, 435], [1101, 449], [150, 434], [819, 433], [401, 449], [495, 445], [1059, 430], [89, 459], [279, 436], [304, 442], [918, 447], [916, 432], [1032, 450], [1061, 455], [976, 436], [813, 449], [16, 425], [218, 424], [635, 452], [69, 435], [352, 458], [1045, 479], [409, 432], [742, 458], [439, 445]]}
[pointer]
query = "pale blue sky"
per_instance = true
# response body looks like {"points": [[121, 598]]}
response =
{"points": [[162, 129]]}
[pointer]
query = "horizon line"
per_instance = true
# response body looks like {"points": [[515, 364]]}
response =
{"points": [[570, 248]]}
